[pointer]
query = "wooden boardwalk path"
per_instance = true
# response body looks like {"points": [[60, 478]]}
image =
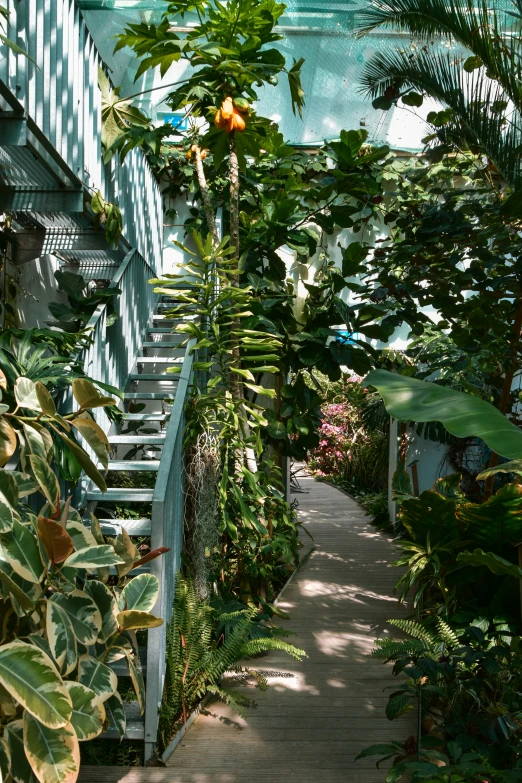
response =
{"points": [[318, 713]]}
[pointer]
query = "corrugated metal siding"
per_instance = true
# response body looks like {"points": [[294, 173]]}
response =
{"points": [[61, 96]]}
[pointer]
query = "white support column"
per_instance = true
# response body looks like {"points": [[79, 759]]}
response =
{"points": [[392, 467]]}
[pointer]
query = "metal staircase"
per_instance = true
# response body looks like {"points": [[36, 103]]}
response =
{"points": [[133, 355]]}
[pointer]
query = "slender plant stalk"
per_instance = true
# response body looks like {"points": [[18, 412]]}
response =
{"points": [[506, 391], [206, 198]]}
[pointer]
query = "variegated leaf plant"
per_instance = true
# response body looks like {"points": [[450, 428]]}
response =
{"points": [[69, 607]]}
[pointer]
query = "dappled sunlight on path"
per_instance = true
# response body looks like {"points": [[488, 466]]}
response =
{"points": [[317, 714]]}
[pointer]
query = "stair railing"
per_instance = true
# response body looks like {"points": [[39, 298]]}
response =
{"points": [[168, 509]]}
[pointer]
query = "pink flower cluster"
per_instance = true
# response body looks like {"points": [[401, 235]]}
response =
{"points": [[336, 437]]}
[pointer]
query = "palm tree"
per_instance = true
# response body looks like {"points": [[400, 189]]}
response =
{"points": [[468, 57]]}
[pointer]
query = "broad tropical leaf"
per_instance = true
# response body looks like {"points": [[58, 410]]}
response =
{"points": [[47, 480], [16, 592], [61, 636], [93, 557], [409, 399], [97, 676], [45, 400], [137, 680], [85, 461], [106, 603], [496, 564], [8, 488], [80, 534], [54, 754], [116, 714], [95, 437], [83, 613], [22, 552], [140, 593], [5, 759], [7, 441], [31, 678], [117, 113], [21, 770], [88, 715], [25, 394], [133, 620], [512, 466], [496, 522], [26, 483], [56, 540]]}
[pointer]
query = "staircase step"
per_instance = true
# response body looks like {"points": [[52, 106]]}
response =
{"points": [[159, 360], [115, 494], [146, 417], [165, 330], [163, 344], [132, 465], [161, 395], [175, 303], [158, 376], [134, 527], [137, 440], [158, 317]]}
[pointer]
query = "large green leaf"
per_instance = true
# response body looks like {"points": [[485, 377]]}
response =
{"points": [[61, 636], [8, 488], [21, 771], [7, 441], [496, 564], [93, 557], [97, 676], [463, 415], [54, 754], [25, 394], [432, 514], [117, 113], [141, 593], [134, 620], [116, 714], [80, 534], [22, 552], [85, 461], [107, 606], [136, 679], [88, 714], [496, 522], [83, 613], [95, 437], [15, 591], [31, 678], [5, 759], [47, 480]]}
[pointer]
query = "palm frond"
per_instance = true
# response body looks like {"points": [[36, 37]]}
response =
{"points": [[470, 96]]}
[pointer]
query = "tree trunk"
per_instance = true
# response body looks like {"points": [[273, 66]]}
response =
{"points": [[207, 200]]}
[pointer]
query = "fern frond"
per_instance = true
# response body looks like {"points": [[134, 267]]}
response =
{"points": [[393, 650], [414, 629], [447, 634], [256, 646]]}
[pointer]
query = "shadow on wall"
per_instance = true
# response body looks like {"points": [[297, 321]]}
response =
{"points": [[35, 288]]}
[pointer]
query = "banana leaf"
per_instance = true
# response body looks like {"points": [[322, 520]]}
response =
{"points": [[408, 399]]}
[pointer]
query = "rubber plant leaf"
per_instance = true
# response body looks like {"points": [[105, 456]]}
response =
{"points": [[409, 399]]}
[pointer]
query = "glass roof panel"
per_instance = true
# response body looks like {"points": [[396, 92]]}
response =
{"points": [[318, 30]]}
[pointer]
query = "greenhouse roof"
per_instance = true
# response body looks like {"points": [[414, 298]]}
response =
{"points": [[319, 31]]}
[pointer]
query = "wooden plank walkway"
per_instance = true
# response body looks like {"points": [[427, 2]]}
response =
{"points": [[318, 713]]}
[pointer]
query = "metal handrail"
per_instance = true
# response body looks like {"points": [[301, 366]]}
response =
{"points": [[167, 530]]}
